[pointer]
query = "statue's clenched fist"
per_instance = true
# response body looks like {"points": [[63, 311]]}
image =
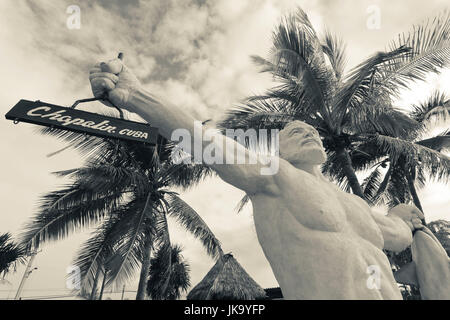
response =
{"points": [[114, 80], [410, 214]]}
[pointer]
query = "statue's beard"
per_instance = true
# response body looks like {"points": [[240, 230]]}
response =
{"points": [[306, 155], [314, 155]]}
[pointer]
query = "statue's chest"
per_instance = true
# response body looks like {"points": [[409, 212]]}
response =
{"points": [[315, 205], [326, 208], [308, 205]]}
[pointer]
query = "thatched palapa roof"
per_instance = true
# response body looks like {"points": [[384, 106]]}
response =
{"points": [[227, 280]]}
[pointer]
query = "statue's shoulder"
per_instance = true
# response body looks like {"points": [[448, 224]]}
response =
{"points": [[286, 169], [291, 181]]}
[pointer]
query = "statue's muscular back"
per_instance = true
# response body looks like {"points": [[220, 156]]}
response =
{"points": [[320, 240]]}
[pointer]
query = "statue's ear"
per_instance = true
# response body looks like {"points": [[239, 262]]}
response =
{"points": [[407, 274]]}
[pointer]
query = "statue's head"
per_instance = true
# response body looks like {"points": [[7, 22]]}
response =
{"points": [[300, 144]]}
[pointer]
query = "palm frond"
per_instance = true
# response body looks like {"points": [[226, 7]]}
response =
{"points": [[93, 254], [65, 211], [129, 253], [90, 262], [106, 178], [371, 184], [397, 190], [87, 145], [379, 197], [290, 89], [192, 222], [297, 52], [435, 163], [430, 51], [187, 175], [159, 286], [289, 95], [435, 107], [10, 253], [258, 114], [164, 252], [334, 48], [439, 143], [332, 168], [391, 122], [356, 101]]}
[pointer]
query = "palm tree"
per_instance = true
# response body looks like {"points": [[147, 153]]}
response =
{"points": [[10, 254], [123, 186], [403, 174], [348, 110], [168, 282]]}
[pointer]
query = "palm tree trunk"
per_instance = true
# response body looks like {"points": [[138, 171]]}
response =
{"points": [[94, 286], [384, 183], [414, 195], [145, 270], [346, 163], [103, 285], [411, 177]]}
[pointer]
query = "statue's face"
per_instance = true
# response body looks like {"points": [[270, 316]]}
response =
{"points": [[300, 143]]}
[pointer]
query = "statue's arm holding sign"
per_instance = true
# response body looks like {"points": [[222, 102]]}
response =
{"points": [[125, 91]]}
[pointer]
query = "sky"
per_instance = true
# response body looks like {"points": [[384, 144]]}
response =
{"points": [[194, 53]]}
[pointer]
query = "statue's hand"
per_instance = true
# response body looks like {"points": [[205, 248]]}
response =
{"points": [[410, 214], [115, 80]]}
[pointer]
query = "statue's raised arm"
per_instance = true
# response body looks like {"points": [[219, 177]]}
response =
{"points": [[239, 166]]}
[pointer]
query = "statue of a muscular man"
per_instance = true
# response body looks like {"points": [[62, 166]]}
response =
{"points": [[321, 242]]}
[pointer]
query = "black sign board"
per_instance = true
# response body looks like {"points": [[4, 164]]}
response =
{"points": [[70, 119]]}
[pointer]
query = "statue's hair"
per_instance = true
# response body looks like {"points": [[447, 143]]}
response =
{"points": [[290, 123], [286, 125]]}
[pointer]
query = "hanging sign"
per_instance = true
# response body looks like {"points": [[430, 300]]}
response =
{"points": [[70, 119]]}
